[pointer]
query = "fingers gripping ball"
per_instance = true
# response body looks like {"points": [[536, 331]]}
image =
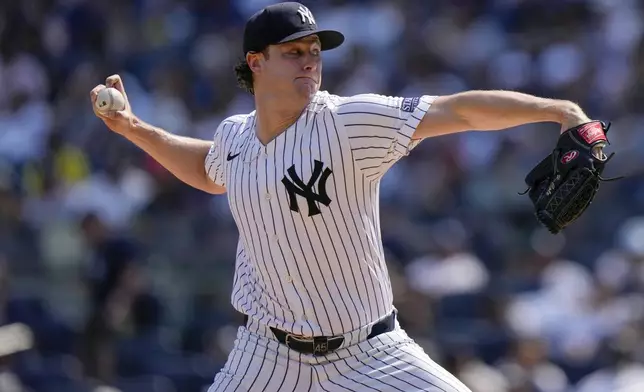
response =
{"points": [[110, 99]]}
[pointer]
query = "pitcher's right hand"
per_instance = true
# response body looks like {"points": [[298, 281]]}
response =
{"points": [[118, 121]]}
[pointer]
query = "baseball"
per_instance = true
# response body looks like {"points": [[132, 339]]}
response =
{"points": [[109, 100]]}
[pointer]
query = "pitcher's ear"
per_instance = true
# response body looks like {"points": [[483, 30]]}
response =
{"points": [[253, 59]]}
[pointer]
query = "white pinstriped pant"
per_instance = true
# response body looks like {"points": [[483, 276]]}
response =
{"points": [[389, 362]]}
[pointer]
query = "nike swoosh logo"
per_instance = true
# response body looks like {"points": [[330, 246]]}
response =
{"points": [[231, 157]]}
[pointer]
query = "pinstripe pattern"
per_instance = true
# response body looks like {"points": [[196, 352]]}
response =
{"points": [[310, 258], [390, 362], [307, 273]]}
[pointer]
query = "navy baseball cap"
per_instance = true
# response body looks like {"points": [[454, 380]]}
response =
{"points": [[284, 22]]}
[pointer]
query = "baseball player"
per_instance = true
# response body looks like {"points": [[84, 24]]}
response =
{"points": [[301, 174]]}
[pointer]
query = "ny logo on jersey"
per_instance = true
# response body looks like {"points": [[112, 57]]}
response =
{"points": [[306, 15], [295, 186]]}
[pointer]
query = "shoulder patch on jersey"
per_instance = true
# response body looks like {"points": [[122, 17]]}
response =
{"points": [[409, 104]]}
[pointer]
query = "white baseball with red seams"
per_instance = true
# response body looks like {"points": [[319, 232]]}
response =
{"points": [[110, 99]]}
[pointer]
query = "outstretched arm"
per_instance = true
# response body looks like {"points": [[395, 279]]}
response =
{"points": [[495, 110], [184, 157]]}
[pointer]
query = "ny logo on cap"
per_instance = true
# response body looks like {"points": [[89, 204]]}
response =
{"points": [[306, 15]]}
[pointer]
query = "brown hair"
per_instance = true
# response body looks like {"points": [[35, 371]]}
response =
{"points": [[245, 75]]}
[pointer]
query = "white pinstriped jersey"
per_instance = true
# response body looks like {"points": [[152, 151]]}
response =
{"points": [[310, 259]]}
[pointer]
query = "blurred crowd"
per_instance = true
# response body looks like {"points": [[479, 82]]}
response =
{"points": [[123, 274]]}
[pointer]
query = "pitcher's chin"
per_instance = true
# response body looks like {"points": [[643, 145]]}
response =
{"points": [[306, 87]]}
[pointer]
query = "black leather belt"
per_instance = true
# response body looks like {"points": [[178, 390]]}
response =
{"points": [[322, 345]]}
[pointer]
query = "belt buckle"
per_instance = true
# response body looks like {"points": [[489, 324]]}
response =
{"points": [[298, 338], [320, 344]]}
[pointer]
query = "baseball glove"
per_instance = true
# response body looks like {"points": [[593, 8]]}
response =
{"points": [[564, 184]]}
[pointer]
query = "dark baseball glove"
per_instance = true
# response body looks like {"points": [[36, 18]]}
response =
{"points": [[564, 184]]}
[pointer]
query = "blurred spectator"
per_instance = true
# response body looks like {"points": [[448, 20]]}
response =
{"points": [[114, 282], [478, 283], [452, 270], [528, 368], [622, 368]]}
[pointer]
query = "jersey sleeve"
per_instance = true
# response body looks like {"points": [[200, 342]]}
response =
{"points": [[214, 160], [380, 128]]}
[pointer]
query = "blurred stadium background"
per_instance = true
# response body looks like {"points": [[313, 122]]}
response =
{"points": [[116, 277]]}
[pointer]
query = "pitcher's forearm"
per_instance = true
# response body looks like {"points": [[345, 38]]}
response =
{"points": [[497, 110], [182, 156]]}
